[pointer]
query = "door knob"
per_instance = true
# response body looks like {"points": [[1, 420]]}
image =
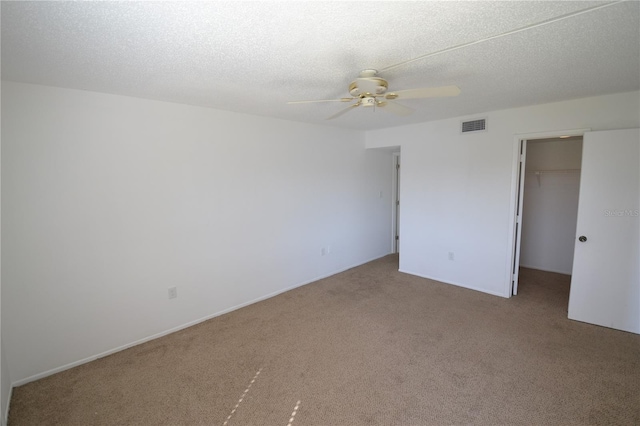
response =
{"points": [[582, 238]]}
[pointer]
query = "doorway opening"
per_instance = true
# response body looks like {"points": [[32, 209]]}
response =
{"points": [[546, 205], [395, 208], [550, 188]]}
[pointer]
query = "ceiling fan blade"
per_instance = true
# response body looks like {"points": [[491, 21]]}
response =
{"points": [[323, 100], [344, 111], [395, 108], [425, 92]]}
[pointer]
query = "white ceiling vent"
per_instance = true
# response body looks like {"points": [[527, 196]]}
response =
{"points": [[474, 125]]}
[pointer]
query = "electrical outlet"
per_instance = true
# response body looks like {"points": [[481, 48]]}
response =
{"points": [[173, 292], [451, 256]]}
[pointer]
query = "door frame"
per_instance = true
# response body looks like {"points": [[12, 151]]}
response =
{"points": [[517, 193], [395, 196]]}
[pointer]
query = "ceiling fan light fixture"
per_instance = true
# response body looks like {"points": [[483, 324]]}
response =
{"points": [[368, 101]]}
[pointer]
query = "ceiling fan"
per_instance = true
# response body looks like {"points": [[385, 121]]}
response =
{"points": [[369, 90]]}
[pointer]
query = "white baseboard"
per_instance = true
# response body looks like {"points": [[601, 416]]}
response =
{"points": [[180, 327], [546, 269], [481, 290]]}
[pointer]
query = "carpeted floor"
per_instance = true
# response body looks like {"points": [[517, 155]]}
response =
{"points": [[369, 346]]}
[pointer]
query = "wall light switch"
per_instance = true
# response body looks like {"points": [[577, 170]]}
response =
{"points": [[451, 256]]}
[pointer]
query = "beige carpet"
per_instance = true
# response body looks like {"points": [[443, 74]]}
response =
{"points": [[369, 346]]}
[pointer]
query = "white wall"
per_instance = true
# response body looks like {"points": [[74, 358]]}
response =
{"points": [[550, 205], [457, 189], [108, 201]]}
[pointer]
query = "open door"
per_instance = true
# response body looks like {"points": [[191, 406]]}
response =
{"points": [[605, 283], [395, 210], [397, 205], [515, 270]]}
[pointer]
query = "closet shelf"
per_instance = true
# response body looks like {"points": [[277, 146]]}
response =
{"points": [[555, 171], [559, 171]]}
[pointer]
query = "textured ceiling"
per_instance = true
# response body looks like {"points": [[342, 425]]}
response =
{"points": [[254, 57]]}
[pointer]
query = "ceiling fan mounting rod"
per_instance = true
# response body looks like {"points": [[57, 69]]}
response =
{"points": [[510, 32]]}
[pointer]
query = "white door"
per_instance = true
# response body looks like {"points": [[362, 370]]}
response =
{"points": [[605, 283], [518, 229], [397, 202]]}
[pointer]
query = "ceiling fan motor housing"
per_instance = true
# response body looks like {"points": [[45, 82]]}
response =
{"points": [[368, 86]]}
